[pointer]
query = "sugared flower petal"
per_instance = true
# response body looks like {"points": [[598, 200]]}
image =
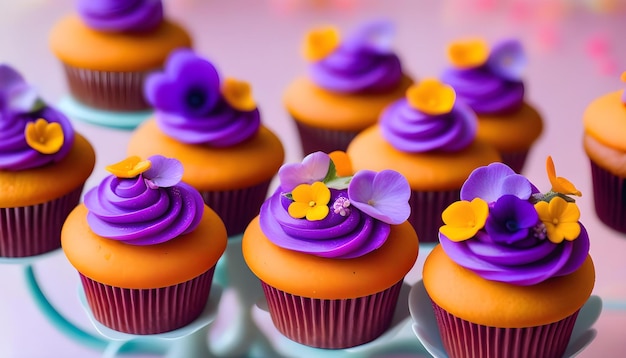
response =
{"points": [[383, 196], [310, 201], [163, 172], [321, 42], [468, 53], [559, 184], [508, 60], [491, 182], [314, 167], [463, 219], [432, 97], [129, 167], [238, 94], [560, 218], [44, 137], [510, 219], [189, 86]]}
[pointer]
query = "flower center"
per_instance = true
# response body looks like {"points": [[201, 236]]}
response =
{"points": [[511, 225], [195, 98], [312, 203]]}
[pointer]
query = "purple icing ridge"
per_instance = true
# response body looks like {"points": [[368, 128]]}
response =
{"points": [[190, 106], [129, 211], [121, 15], [20, 105], [360, 64], [528, 262], [410, 130], [335, 236]]}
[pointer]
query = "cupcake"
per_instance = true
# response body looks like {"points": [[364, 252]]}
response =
{"points": [[605, 129], [490, 82], [145, 246], [430, 138], [108, 47], [44, 164], [512, 269], [213, 126], [331, 252], [349, 82]]}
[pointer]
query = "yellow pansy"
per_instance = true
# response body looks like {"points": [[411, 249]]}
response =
{"points": [[560, 184], [43, 136], [468, 53], [431, 97], [238, 94], [463, 219], [560, 219], [129, 167], [310, 201], [320, 42]]}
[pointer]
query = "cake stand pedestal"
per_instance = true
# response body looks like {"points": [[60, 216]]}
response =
{"points": [[113, 119]]}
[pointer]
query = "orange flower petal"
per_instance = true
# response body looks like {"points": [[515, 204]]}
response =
{"points": [[468, 53], [129, 167], [321, 42], [44, 137], [623, 77], [238, 94], [431, 97], [560, 184], [343, 164]]}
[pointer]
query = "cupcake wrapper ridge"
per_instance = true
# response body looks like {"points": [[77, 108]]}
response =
{"points": [[332, 324], [148, 311], [609, 194], [465, 339], [426, 209], [515, 160], [113, 91], [325, 140], [36, 229]]}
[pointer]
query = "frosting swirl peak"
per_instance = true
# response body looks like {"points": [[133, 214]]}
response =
{"points": [[121, 15]]}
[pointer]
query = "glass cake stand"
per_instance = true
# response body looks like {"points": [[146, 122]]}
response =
{"points": [[236, 323]]}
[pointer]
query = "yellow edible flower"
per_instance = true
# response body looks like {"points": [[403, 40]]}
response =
{"points": [[468, 53], [129, 167], [560, 184], [560, 219], [463, 219], [320, 42], [310, 201], [43, 136], [238, 94], [431, 97]]}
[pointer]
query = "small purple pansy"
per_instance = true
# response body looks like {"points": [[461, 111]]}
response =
{"points": [[508, 60], [189, 85], [314, 167], [493, 181], [163, 173], [510, 219], [383, 195]]}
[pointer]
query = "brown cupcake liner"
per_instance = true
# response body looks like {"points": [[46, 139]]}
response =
{"points": [[332, 324], [515, 160], [237, 207], [609, 194], [426, 209], [107, 90], [148, 311], [36, 229], [315, 139], [461, 338]]}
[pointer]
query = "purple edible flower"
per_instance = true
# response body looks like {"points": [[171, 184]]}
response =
{"points": [[510, 219], [16, 96], [314, 167], [383, 196], [493, 181], [508, 60], [163, 173], [189, 86]]}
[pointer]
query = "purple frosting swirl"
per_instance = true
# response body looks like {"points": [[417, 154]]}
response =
{"points": [[360, 64], [485, 91], [410, 130], [128, 210], [121, 15], [527, 262], [335, 236], [223, 126], [16, 154]]}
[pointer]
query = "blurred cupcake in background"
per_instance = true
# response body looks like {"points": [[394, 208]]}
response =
{"points": [[490, 82], [350, 80]]}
